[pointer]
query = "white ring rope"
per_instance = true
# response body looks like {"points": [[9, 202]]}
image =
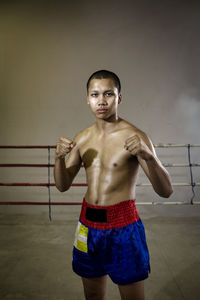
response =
{"points": [[175, 145]]}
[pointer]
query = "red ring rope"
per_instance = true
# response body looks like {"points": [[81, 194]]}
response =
{"points": [[37, 203], [37, 184]]}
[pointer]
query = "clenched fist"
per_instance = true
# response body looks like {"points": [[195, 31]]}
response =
{"points": [[64, 146], [136, 146]]}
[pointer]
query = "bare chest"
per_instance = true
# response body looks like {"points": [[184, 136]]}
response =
{"points": [[106, 153]]}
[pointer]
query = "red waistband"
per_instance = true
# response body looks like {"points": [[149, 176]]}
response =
{"points": [[118, 215]]}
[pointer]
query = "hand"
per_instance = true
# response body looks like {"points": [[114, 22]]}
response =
{"points": [[64, 146], [136, 146]]}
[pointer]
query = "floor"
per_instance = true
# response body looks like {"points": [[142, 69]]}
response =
{"points": [[35, 259]]}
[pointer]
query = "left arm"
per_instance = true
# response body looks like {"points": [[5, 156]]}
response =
{"points": [[141, 146]]}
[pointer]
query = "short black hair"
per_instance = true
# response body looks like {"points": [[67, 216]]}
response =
{"points": [[104, 74]]}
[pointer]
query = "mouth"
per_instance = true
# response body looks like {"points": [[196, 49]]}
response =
{"points": [[101, 110]]}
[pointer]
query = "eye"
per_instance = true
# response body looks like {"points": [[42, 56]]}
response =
{"points": [[108, 94], [94, 94]]}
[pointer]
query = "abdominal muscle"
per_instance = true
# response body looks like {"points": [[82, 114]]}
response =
{"points": [[109, 187]]}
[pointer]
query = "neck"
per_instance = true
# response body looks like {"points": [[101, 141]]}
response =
{"points": [[108, 125]]}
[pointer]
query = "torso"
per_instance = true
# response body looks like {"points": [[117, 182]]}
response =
{"points": [[111, 170]]}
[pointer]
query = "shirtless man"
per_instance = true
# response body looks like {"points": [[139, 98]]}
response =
{"points": [[110, 237]]}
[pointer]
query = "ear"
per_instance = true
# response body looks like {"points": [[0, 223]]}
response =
{"points": [[120, 98]]}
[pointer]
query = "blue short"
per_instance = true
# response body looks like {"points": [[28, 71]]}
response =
{"points": [[111, 242]]}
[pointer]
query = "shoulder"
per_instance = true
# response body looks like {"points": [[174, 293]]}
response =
{"points": [[128, 128], [83, 135], [131, 130]]}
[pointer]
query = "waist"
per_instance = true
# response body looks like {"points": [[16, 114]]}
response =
{"points": [[111, 216]]}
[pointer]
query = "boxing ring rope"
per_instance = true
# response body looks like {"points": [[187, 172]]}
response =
{"points": [[49, 184]]}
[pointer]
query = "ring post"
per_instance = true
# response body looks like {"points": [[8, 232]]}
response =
{"points": [[191, 175]]}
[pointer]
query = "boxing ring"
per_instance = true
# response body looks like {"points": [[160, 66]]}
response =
{"points": [[189, 164]]}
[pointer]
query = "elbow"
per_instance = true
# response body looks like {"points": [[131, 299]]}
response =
{"points": [[167, 193], [62, 189]]}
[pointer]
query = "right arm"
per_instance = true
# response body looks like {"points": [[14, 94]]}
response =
{"points": [[65, 171]]}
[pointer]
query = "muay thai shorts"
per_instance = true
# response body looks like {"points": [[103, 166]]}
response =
{"points": [[111, 240]]}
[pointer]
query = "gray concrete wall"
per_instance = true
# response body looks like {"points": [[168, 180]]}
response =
{"points": [[49, 51]]}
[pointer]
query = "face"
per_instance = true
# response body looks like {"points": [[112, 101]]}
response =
{"points": [[103, 98]]}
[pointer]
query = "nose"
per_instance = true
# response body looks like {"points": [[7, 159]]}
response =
{"points": [[102, 100]]}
